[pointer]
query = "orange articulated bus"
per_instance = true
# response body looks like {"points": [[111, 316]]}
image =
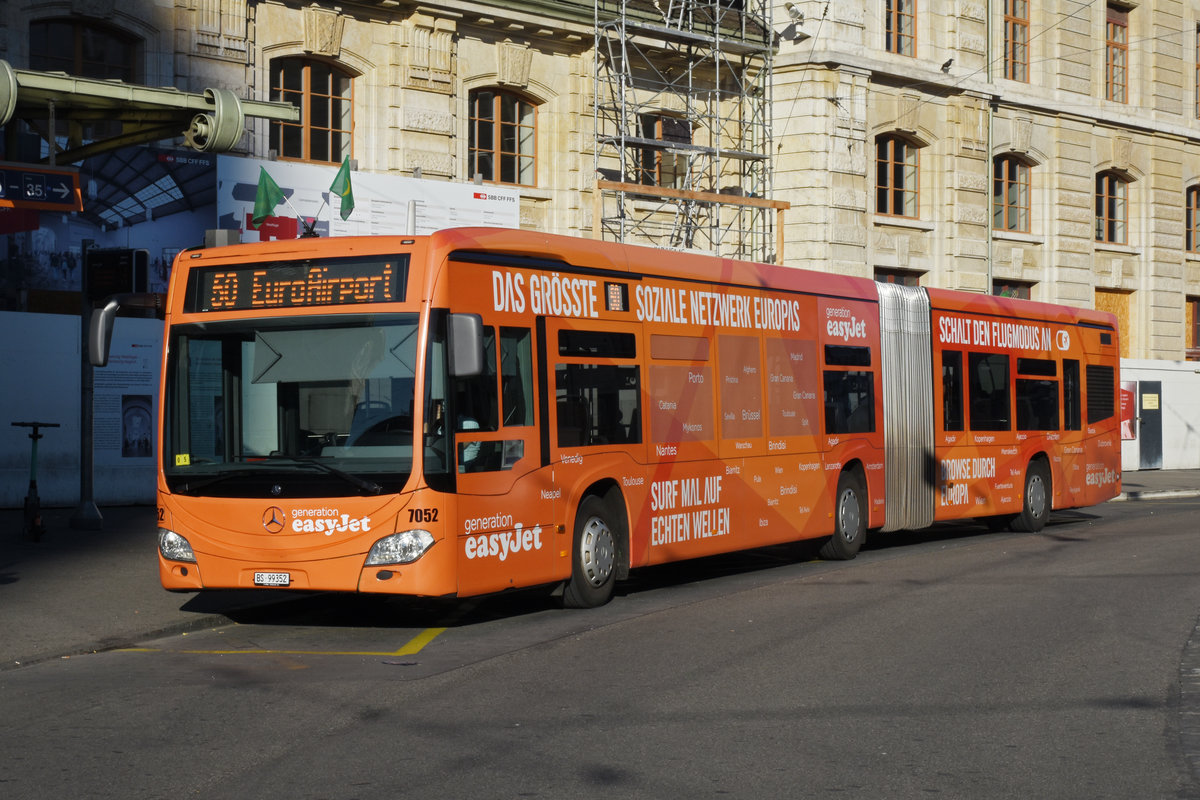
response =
{"points": [[483, 409]]}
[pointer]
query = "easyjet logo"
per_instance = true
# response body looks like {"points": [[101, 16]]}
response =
{"points": [[846, 329], [505, 543]]}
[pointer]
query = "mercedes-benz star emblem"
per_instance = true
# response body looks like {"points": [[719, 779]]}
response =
{"points": [[273, 519]]}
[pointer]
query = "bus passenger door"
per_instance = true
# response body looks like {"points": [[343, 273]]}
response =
{"points": [[505, 499]]}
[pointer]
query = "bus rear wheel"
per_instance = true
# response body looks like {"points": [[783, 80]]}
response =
{"points": [[594, 556], [1036, 505], [849, 519]]}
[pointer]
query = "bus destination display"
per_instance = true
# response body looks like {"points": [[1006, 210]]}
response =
{"points": [[297, 284]]}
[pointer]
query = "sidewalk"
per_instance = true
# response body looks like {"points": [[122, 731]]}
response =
{"points": [[79, 591], [1157, 484]]}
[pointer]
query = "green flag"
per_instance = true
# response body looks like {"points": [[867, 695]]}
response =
{"points": [[266, 198], [341, 187]]}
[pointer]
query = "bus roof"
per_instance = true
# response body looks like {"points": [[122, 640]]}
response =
{"points": [[642, 260]]}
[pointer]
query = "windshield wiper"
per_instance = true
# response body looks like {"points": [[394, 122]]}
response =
{"points": [[370, 487], [195, 485]]}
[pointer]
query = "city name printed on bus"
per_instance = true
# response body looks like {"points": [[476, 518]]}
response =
{"points": [[704, 517], [1001, 334]]}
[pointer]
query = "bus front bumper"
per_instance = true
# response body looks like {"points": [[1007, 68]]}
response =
{"points": [[431, 575]]}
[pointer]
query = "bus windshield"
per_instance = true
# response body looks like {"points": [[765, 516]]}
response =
{"points": [[291, 407]]}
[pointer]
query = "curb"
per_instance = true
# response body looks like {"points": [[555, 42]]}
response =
{"points": [[1154, 494], [200, 622]]}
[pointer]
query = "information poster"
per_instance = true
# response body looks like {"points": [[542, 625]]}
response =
{"points": [[1128, 403], [383, 204], [125, 403]]}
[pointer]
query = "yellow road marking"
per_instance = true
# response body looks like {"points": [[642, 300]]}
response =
{"points": [[412, 647]]}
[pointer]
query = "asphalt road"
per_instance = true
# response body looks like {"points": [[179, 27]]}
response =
{"points": [[954, 663]]}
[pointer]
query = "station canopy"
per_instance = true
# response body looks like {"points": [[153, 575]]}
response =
{"points": [[124, 184]]}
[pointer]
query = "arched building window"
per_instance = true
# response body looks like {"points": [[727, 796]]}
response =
{"points": [[1010, 194], [324, 93], [897, 177], [84, 48], [1112, 208], [502, 137], [1192, 227]]}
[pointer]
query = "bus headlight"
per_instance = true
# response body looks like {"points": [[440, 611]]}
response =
{"points": [[174, 547], [399, 548]]}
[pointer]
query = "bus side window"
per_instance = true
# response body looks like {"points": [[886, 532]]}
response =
{"points": [[1072, 400], [952, 390], [849, 394], [988, 376], [474, 403], [597, 403], [1037, 398], [516, 376]]}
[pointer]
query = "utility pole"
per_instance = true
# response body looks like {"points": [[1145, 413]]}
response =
{"points": [[87, 516]]}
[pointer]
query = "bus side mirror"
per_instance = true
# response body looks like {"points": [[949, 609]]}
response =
{"points": [[466, 345], [100, 332]]}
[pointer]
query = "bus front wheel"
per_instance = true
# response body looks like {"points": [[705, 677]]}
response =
{"points": [[594, 556], [849, 519], [1036, 505]]}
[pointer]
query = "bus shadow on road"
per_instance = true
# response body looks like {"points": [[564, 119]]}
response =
{"points": [[388, 612], [1057, 527]]}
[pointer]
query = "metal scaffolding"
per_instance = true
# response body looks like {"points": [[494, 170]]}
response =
{"points": [[683, 129]]}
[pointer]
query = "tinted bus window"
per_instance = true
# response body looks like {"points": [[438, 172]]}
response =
{"points": [[1037, 400], [1037, 366], [605, 344], [1037, 405], [988, 377], [597, 404], [849, 402], [474, 400], [838, 355], [1072, 407], [952, 390], [516, 376]]}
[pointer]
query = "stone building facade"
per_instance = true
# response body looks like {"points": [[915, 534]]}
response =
{"points": [[1050, 150]]}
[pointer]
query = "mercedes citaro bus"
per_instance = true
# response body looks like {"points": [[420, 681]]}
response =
{"points": [[481, 409]]}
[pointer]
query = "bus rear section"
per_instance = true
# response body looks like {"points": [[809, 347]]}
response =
{"points": [[1012, 415]]}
